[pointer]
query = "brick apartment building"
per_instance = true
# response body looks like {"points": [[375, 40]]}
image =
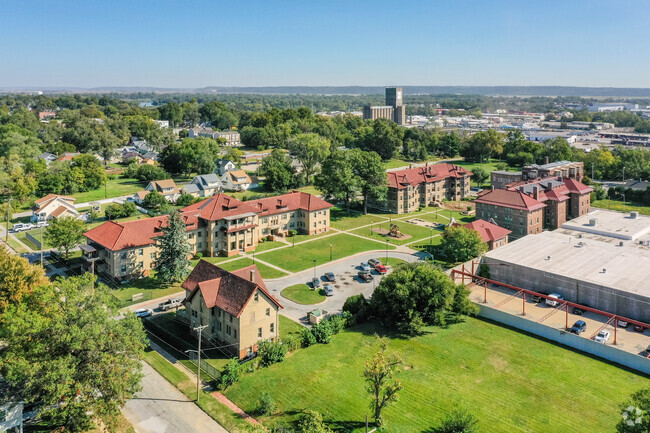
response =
{"points": [[219, 225], [428, 185], [563, 169]]}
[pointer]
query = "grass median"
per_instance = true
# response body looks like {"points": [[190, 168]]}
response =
{"points": [[303, 294]]}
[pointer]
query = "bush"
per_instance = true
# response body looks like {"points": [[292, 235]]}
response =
{"points": [[355, 304], [458, 421], [292, 233], [307, 338], [291, 342], [123, 210], [185, 200], [270, 352], [198, 256], [231, 373], [322, 332], [267, 404], [336, 324]]}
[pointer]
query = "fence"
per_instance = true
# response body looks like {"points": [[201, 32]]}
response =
{"points": [[33, 240]]}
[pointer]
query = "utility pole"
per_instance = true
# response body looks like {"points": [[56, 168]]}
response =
{"points": [[623, 173], [330, 252], [592, 171], [199, 329], [42, 265], [8, 219]]}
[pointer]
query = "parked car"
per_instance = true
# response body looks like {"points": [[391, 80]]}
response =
{"points": [[374, 262], [578, 327], [579, 311], [365, 267], [329, 276], [315, 283], [554, 302], [365, 276], [171, 303], [602, 337], [638, 328], [537, 299], [381, 269], [143, 312], [622, 323], [41, 224], [329, 291], [21, 227]]}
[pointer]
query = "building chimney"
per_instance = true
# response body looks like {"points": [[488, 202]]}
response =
{"points": [[252, 275], [536, 192]]}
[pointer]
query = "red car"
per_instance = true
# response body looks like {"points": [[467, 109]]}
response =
{"points": [[381, 269]]}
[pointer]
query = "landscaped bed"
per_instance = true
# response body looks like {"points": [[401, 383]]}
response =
{"points": [[509, 380], [303, 294], [410, 232]]}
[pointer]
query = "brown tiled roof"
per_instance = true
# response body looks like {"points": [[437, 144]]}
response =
{"points": [[58, 211], [234, 174], [488, 231], [142, 194], [430, 173], [288, 202], [230, 291], [217, 207], [50, 197], [115, 237], [576, 186], [160, 185], [510, 199]]}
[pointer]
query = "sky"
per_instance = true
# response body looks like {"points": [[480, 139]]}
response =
{"points": [[192, 44]]}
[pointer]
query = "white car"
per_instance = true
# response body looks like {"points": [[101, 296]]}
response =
{"points": [[143, 312], [556, 297], [602, 337], [329, 291], [22, 227], [41, 224]]}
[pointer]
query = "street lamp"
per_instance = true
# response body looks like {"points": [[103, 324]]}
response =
{"points": [[330, 252], [314, 268], [386, 251]]}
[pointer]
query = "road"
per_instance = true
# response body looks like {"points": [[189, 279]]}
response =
{"points": [[161, 408]]}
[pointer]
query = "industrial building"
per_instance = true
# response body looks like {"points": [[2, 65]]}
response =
{"points": [[393, 110], [601, 259]]}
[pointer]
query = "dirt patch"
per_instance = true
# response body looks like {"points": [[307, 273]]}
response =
{"points": [[499, 363], [383, 232]]}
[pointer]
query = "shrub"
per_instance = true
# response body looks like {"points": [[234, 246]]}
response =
{"points": [[336, 324], [291, 342], [322, 332], [458, 421], [231, 373], [184, 200], [123, 210], [270, 352], [355, 304], [267, 404], [292, 233], [307, 338], [198, 256]]}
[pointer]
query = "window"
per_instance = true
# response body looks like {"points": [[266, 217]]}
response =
{"points": [[190, 236], [228, 330], [234, 332], [140, 252], [268, 312], [231, 318], [152, 256], [123, 269], [123, 256], [259, 332], [265, 220], [272, 328], [199, 234], [140, 265], [199, 245], [257, 297]]}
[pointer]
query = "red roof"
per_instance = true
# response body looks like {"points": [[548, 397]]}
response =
{"points": [[230, 291], [510, 199], [50, 197], [577, 187], [115, 236], [488, 231], [217, 207], [430, 173]]}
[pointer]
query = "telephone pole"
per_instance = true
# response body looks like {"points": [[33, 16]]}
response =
{"points": [[199, 329], [8, 219]]}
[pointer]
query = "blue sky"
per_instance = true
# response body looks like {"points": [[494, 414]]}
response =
{"points": [[194, 43]]}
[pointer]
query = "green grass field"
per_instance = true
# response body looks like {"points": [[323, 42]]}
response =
{"points": [[415, 232], [510, 381], [340, 220], [303, 294], [268, 245], [148, 286], [265, 271], [618, 206], [16, 246], [114, 188], [301, 256], [289, 327]]}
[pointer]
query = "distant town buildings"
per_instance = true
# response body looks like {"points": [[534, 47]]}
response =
{"points": [[393, 110], [232, 137]]}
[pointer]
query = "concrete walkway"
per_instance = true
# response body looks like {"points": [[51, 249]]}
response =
{"points": [[223, 399]]}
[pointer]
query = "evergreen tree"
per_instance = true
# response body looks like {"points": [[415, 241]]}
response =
{"points": [[172, 264]]}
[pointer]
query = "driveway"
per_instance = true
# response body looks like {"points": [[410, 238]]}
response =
{"points": [[161, 408], [346, 284]]}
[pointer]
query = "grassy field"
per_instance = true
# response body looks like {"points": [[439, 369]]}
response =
{"points": [[340, 220], [114, 188], [415, 232], [303, 294], [525, 385], [16, 246], [148, 286], [268, 245], [618, 206], [301, 238], [301, 256], [289, 327], [265, 271]]}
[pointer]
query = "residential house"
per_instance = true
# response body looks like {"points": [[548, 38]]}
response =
{"points": [[424, 186], [44, 115], [47, 157], [224, 166], [53, 206], [231, 137], [490, 233], [638, 185], [236, 180], [67, 156], [131, 155], [166, 187], [237, 308], [219, 225], [203, 185]]}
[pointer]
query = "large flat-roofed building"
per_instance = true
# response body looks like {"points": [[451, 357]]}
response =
{"points": [[393, 110], [601, 259], [530, 173]]}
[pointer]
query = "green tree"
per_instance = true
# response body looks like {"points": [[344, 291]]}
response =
{"points": [[277, 170], [635, 413], [480, 175], [65, 350], [382, 136], [154, 200], [370, 176], [556, 149], [461, 244], [483, 145], [233, 154], [310, 150], [270, 352], [172, 263], [17, 279], [231, 373], [337, 180], [381, 384], [312, 422], [64, 233], [90, 169], [458, 421], [173, 112]]}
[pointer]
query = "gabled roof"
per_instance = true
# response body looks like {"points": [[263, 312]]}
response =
{"points": [[62, 209], [115, 237], [205, 180], [487, 231], [510, 199], [217, 207], [430, 173], [51, 197], [238, 174], [230, 291], [160, 185], [576, 186], [288, 202]]}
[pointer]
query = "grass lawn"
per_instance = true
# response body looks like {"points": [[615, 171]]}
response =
{"points": [[301, 238], [289, 327], [303, 294], [301, 256], [487, 166], [618, 206], [16, 246], [265, 271], [22, 237], [415, 231], [148, 286], [525, 385], [339, 219], [397, 163], [268, 245], [114, 188], [393, 262], [215, 260]]}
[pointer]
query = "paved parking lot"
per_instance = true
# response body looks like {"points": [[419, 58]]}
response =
{"points": [[502, 299]]}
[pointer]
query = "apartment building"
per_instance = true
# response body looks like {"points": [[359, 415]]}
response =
{"points": [[231, 137], [217, 226], [564, 169], [513, 210], [236, 307], [428, 185]]}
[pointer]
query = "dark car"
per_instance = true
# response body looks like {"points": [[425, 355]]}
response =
{"points": [[622, 323], [638, 328], [329, 276], [579, 311], [578, 327], [536, 298], [365, 276]]}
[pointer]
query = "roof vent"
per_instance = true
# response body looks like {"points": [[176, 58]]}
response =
{"points": [[621, 243], [580, 235], [604, 271], [634, 215], [548, 257], [593, 221]]}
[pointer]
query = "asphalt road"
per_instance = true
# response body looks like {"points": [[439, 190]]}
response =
{"points": [[161, 408]]}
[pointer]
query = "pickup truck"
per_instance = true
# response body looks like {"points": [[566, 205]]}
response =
{"points": [[171, 303]]}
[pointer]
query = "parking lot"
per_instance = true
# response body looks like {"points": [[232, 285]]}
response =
{"points": [[504, 300]]}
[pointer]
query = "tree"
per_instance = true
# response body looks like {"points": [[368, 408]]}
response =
{"points": [[337, 180], [556, 149], [480, 175], [416, 295], [154, 200], [90, 170], [383, 137], [17, 279], [278, 171], [635, 413], [231, 373], [64, 232], [312, 422], [381, 384], [481, 146], [458, 421], [172, 263], [173, 112], [310, 150], [233, 154], [450, 144], [461, 244], [270, 352], [123, 210], [191, 155], [370, 175], [65, 350]]}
